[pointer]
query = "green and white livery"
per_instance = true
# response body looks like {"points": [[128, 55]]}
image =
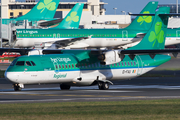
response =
{"points": [[92, 67]]}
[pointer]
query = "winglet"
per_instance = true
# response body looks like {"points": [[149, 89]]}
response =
{"points": [[72, 20], [144, 22], [155, 37], [44, 9]]}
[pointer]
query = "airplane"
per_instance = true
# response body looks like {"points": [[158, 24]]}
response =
{"points": [[43, 10], [89, 37], [93, 67]]}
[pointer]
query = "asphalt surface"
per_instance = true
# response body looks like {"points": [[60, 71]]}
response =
{"points": [[139, 88]]}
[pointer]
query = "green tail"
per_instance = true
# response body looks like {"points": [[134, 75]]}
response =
{"points": [[155, 37], [73, 18], [44, 9], [144, 22]]}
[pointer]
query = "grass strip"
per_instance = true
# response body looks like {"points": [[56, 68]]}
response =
{"points": [[116, 110]]}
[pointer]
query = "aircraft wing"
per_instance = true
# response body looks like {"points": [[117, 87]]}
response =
{"points": [[67, 42], [50, 23]]}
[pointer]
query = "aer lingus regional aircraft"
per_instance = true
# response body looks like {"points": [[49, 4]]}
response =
{"points": [[89, 37], [93, 67]]}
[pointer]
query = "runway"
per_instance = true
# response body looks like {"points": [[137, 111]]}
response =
{"points": [[52, 93], [134, 89]]}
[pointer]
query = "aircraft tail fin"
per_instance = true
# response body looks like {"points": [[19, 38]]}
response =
{"points": [[144, 22], [44, 9], [155, 37], [73, 18]]}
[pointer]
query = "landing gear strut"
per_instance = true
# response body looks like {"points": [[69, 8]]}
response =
{"points": [[64, 87], [17, 87], [103, 85]]}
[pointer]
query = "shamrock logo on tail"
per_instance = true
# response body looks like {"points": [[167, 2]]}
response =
{"points": [[147, 19], [47, 4], [72, 17], [158, 35]]}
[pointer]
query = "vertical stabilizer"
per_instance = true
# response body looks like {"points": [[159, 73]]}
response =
{"points": [[44, 9], [73, 18], [155, 37], [144, 22]]}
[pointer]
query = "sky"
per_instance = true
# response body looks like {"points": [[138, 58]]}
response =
{"points": [[133, 6]]}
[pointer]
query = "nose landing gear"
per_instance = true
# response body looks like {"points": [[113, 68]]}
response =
{"points": [[18, 87]]}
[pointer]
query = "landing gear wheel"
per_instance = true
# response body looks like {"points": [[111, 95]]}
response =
{"points": [[64, 87], [103, 85], [17, 87]]}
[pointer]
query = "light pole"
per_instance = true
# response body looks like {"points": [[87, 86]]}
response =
{"points": [[115, 10], [125, 15], [1, 24], [177, 6], [21, 9]]}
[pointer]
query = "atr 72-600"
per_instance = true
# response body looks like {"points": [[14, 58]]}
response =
{"points": [[91, 67]]}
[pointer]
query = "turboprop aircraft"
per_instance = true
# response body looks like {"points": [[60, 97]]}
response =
{"points": [[93, 67], [89, 37]]}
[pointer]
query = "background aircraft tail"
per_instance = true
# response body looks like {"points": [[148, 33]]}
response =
{"points": [[155, 37], [44, 9], [144, 22], [73, 18]]}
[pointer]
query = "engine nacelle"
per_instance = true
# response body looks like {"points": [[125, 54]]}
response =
{"points": [[35, 52], [110, 57]]}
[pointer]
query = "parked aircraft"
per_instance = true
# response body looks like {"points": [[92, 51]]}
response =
{"points": [[43, 10], [89, 37], [91, 67]]}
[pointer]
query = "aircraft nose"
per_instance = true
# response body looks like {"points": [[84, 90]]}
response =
{"points": [[11, 76]]}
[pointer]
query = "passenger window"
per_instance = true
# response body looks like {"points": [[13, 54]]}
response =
{"points": [[116, 65], [66, 66], [69, 66], [59, 66], [125, 63], [63, 66], [33, 63], [56, 67], [28, 63], [20, 63], [128, 64], [122, 63], [119, 64], [134, 63], [72, 66]]}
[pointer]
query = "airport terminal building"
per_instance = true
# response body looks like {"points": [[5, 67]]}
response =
{"points": [[93, 12]]}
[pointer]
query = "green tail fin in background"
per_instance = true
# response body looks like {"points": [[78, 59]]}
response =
{"points": [[44, 9], [72, 20], [155, 37], [144, 22]]}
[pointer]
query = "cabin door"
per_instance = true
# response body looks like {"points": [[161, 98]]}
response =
{"points": [[124, 35], [178, 35], [140, 65]]}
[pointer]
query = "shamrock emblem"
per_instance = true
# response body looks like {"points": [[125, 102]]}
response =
{"points": [[147, 19], [158, 35], [72, 17], [47, 4]]}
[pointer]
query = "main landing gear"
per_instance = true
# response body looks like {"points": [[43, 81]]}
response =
{"points": [[103, 85], [64, 87], [18, 87]]}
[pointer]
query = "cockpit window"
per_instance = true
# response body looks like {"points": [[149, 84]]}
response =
{"points": [[28, 63], [14, 62], [33, 63], [20, 63]]}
